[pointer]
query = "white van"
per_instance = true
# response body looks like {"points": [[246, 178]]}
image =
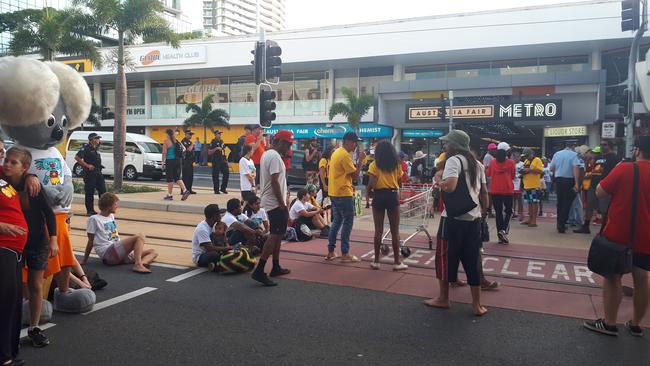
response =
{"points": [[143, 155]]}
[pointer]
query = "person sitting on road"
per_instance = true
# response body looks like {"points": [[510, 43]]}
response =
{"points": [[240, 228], [312, 189], [256, 213], [206, 248], [304, 213], [102, 234]]}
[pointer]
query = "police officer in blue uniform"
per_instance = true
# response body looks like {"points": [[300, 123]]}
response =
{"points": [[91, 161]]}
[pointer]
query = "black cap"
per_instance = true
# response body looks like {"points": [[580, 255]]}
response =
{"points": [[216, 132], [189, 132], [643, 143], [92, 136], [351, 136], [212, 209]]}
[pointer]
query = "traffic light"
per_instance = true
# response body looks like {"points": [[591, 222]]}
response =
{"points": [[258, 54], [273, 62], [630, 15], [267, 106], [442, 111]]}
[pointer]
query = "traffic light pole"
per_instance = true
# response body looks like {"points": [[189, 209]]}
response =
{"points": [[630, 121]]}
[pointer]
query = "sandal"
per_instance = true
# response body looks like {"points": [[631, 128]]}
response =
{"points": [[331, 257], [349, 259]]}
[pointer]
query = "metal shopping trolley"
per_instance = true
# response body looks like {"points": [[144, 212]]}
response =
{"points": [[416, 208]]}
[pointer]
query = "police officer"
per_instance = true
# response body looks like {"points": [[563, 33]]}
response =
{"points": [[91, 161], [188, 161], [219, 163]]}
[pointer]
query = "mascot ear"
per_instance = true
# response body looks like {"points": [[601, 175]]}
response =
{"points": [[29, 91], [75, 93]]}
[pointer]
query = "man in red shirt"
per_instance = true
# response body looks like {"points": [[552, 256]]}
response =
{"points": [[619, 186], [256, 140]]}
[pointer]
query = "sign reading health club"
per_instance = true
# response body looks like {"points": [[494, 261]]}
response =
{"points": [[161, 56], [366, 130], [525, 110]]}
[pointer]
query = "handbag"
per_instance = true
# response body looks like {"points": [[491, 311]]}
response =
{"points": [[607, 257], [459, 202]]}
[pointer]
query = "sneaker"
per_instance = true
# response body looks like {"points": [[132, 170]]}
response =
{"points": [[400, 267], [599, 326], [374, 265], [504, 237], [224, 191], [583, 230], [500, 235], [168, 198], [263, 279], [634, 330], [217, 192], [192, 192], [185, 195], [37, 337], [275, 272], [90, 213], [348, 258]]}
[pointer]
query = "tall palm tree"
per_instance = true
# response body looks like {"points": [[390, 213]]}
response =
{"points": [[49, 32], [354, 108], [130, 19], [206, 116]]}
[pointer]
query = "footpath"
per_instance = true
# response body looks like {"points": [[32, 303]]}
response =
{"points": [[540, 271]]}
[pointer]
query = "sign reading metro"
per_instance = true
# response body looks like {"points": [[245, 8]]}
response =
{"points": [[532, 110]]}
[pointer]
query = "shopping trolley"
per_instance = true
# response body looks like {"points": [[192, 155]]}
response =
{"points": [[416, 208]]}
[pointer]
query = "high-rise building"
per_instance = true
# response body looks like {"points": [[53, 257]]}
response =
{"points": [[235, 17]]}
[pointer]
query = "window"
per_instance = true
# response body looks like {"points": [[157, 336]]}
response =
{"points": [[569, 63], [132, 148], [514, 67], [188, 91], [369, 79], [242, 89], [135, 96], [310, 93], [76, 145], [425, 72], [217, 87], [468, 70], [348, 78], [163, 92], [106, 147], [151, 147], [108, 101]]}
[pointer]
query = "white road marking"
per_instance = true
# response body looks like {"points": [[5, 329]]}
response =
{"points": [[119, 299], [23, 332], [187, 275]]}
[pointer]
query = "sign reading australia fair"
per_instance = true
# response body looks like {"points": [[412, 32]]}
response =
{"points": [[527, 110]]}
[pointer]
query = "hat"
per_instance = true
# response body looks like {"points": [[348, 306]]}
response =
{"points": [[419, 155], [402, 154], [189, 132], [216, 132], [284, 135], [92, 136], [458, 138], [492, 146], [582, 149], [643, 143], [503, 146], [311, 188], [596, 149], [351, 136]]}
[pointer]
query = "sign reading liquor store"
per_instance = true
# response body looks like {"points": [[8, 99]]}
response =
{"points": [[528, 110]]}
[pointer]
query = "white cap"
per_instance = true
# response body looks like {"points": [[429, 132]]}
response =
{"points": [[503, 146]]}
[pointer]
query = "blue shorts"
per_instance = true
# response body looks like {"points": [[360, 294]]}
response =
{"points": [[532, 195]]}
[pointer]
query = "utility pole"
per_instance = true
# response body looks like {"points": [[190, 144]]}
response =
{"points": [[630, 21]]}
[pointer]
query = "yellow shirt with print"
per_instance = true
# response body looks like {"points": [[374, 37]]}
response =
{"points": [[386, 180], [533, 180], [339, 177]]}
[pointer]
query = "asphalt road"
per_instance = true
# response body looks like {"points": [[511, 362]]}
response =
{"points": [[211, 319]]}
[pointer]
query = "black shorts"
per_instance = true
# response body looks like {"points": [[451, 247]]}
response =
{"points": [[36, 255], [641, 261], [173, 170], [302, 220], [278, 220], [385, 199], [245, 195]]}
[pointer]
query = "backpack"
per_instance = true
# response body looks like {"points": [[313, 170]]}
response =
{"points": [[235, 152], [303, 232]]}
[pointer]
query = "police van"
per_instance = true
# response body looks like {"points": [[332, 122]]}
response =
{"points": [[143, 155]]}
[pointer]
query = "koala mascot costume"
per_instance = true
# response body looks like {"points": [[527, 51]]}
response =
{"points": [[39, 103]]}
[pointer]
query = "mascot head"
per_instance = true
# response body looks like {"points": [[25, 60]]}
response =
{"points": [[41, 101]]}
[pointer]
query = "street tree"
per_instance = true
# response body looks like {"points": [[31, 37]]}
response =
{"points": [[354, 108], [206, 117], [131, 20]]}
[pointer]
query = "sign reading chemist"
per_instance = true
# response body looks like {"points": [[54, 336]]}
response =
{"points": [[530, 110], [160, 56]]}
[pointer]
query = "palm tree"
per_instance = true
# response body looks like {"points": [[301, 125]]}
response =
{"points": [[130, 19], [354, 108], [49, 32], [205, 116]]}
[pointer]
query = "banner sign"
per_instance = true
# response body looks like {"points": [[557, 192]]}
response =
{"points": [[528, 110], [160, 56], [565, 131], [422, 133], [608, 130], [304, 131]]}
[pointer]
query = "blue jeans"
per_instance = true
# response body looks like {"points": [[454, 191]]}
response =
{"points": [[342, 216]]}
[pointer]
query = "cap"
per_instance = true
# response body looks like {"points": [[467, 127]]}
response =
{"points": [[643, 143], [458, 138], [492, 146], [217, 132], [582, 149], [503, 146], [189, 132], [596, 149], [92, 136], [351, 136], [284, 135]]}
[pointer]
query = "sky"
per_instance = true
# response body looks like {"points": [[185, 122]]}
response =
{"points": [[319, 13]]}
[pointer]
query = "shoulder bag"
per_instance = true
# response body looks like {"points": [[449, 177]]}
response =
{"points": [[607, 257], [458, 202]]}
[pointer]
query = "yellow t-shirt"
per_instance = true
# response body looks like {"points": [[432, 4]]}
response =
{"points": [[339, 177], [386, 180], [533, 180], [323, 163]]}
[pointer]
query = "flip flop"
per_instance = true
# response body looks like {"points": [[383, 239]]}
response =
{"points": [[141, 272], [350, 259]]}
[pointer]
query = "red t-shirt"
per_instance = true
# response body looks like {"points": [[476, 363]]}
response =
{"points": [[257, 154], [11, 213], [619, 185], [501, 176], [287, 160]]}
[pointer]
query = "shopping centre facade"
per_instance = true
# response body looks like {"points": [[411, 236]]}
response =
{"points": [[532, 76]]}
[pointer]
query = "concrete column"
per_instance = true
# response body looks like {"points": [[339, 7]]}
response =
{"points": [[596, 60], [147, 97], [398, 72], [97, 93], [593, 138], [330, 87]]}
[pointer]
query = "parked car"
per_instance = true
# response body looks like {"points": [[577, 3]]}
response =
{"points": [[143, 155]]}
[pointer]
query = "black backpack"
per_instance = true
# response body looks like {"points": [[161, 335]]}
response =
{"points": [[235, 152]]}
